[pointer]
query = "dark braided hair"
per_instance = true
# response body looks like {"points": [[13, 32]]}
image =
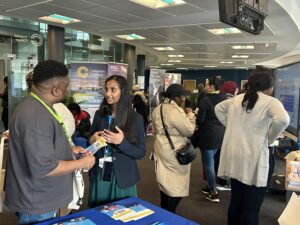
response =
{"points": [[260, 79]]}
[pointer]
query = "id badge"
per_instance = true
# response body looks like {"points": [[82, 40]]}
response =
{"points": [[108, 159], [101, 163]]}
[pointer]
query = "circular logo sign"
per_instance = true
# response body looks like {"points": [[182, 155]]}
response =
{"points": [[83, 72], [36, 40]]}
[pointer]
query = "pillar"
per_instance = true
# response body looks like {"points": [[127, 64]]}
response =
{"points": [[56, 43], [140, 66]]}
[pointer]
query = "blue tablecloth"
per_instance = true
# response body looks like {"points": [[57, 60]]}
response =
{"points": [[97, 217]]}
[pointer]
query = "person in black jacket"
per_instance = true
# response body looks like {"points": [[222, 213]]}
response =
{"points": [[115, 173], [140, 107], [201, 94], [210, 133]]}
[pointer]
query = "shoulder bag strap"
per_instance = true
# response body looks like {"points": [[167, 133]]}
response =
{"points": [[166, 131]]}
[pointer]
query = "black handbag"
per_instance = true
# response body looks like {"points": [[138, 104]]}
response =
{"points": [[186, 153]]}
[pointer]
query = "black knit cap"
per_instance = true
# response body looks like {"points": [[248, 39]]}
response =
{"points": [[175, 90]]}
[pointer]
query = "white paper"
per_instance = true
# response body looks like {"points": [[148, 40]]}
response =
{"points": [[290, 214]]}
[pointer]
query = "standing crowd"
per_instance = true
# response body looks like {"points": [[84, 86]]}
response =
{"points": [[232, 131]]}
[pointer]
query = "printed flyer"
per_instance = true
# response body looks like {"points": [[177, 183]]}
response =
{"points": [[129, 212]]}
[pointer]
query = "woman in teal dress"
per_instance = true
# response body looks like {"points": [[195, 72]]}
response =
{"points": [[115, 173]]}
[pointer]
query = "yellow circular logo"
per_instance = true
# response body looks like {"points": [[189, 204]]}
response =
{"points": [[83, 72]]}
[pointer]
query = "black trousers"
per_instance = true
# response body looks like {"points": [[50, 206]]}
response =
{"points": [[169, 203], [245, 203], [246, 200]]}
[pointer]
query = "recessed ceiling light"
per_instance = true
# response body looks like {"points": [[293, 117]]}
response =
{"points": [[210, 66], [156, 4], [166, 64], [130, 37], [174, 61], [240, 56], [175, 56], [241, 67], [181, 68], [242, 46], [59, 19], [164, 48], [227, 62], [224, 31]]}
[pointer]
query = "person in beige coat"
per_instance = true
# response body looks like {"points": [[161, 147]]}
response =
{"points": [[173, 179]]}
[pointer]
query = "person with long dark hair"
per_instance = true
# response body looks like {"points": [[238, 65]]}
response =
{"points": [[253, 121], [210, 134], [173, 179], [115, 173]]}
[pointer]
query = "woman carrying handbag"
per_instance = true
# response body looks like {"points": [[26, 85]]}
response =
{"points": [[173, 179]]}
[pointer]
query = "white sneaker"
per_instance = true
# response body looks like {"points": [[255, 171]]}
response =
{"points": [[223, 188]]}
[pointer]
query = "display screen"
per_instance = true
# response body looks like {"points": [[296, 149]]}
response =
{"points": [[286, 89], [238, 13]]}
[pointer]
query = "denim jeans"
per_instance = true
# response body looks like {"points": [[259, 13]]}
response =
{"points": [[207, 156], [30, 219]]}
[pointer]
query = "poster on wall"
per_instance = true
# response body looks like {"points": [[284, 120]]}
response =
{"points": [[117, 69], [243, 82], [87, 84], [172, 78], [189, 85], [141, 82], [156, 88]]}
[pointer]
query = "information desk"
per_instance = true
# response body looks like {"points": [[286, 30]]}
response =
{"points": [[159, 215]]}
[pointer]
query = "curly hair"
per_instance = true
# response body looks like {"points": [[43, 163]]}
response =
{"points": [[47, 70], [28, 79]]}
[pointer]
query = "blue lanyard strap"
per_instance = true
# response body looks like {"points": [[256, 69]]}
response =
{"points": [[107, 152], [55, 115]]}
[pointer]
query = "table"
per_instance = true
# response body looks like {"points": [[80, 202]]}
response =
{"points": [[97, 217]]}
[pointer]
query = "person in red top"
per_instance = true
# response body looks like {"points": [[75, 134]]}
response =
{"points": [[82, 120]]}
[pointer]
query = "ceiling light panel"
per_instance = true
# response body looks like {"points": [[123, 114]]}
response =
{"points": [[158, 4], [164, 48], [237, 47], [225, 31], [227, 62], [240, 56], [175, 56], [130, 37], [241, 67], [174, 61], [210, 66], [55, 18]]}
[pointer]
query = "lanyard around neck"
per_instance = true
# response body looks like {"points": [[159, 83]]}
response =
{"points": [[54, 114]]}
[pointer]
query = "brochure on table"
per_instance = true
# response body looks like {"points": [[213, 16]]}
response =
{"points": [[129, 212]]}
